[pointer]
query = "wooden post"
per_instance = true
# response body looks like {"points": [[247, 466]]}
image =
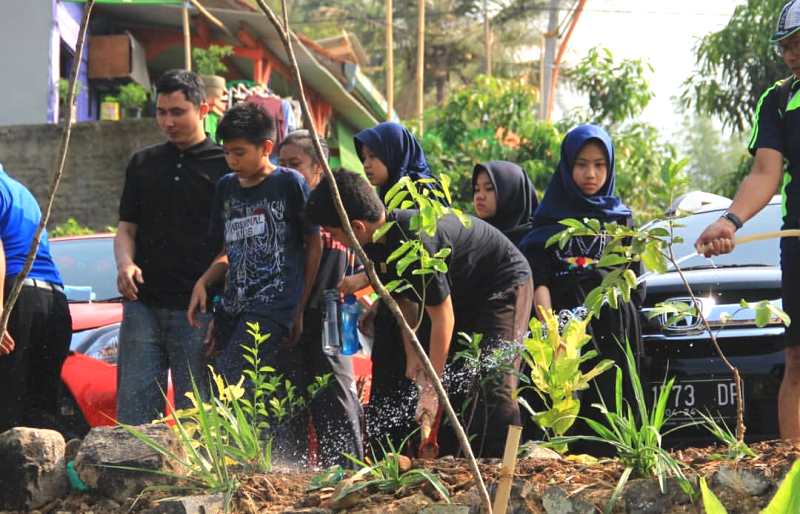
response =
{"points": [[421, 66], [487, 36], [187, 39], [389, 60], [507, 471]]}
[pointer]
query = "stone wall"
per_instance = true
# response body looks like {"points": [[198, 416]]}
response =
{"points": [[92, 182]]}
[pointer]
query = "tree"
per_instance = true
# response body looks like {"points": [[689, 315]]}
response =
{"points": [[617, 94], [736, 65], [492, 119]]}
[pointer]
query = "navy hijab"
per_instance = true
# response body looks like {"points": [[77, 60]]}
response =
{"points": [[398, 149], [515, 197], [563, 199]]}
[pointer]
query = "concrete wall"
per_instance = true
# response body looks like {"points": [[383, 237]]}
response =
{"points": [[27, 30], [93, 177]]}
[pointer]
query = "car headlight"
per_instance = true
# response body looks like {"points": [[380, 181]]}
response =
{"points": [[99, 343]]}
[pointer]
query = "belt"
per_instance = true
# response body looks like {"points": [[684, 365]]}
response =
{"points": [[42, 284]]}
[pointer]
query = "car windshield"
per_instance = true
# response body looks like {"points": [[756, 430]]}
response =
{"points": [[87, 268], [757, 253]]}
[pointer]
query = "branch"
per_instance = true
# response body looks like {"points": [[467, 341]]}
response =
{"points": [[285, 34], [61, 159]]}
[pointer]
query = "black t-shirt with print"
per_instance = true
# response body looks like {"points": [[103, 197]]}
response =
{"points": [[263, 229], [777, 126], [167, 195], [482, 261]]}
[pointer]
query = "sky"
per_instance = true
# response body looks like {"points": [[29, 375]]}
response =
{"points": [[663, 33]]}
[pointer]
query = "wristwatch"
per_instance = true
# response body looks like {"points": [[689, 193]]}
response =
{"points": [[736, 220]]}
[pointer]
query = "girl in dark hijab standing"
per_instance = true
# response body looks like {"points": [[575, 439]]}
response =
{"points": [[582, 187], [390, 152], [503, 195]]}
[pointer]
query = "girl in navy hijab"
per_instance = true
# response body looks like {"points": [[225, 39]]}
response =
{"points": [[390, 152], [582, 187], [504, 196]]}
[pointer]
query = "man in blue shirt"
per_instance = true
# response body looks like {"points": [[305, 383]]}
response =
{"points": [[39, 329], [775, 139]]}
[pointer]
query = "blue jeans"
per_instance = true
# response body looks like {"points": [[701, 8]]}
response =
{"points": [[153, 341]]}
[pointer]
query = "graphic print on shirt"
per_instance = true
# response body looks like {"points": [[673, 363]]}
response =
{"points": [[255, 236]]}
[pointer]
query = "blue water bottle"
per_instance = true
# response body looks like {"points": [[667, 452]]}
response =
{"points": [[350, 311]]}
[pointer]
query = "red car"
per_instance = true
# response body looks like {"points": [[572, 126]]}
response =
{"points": [[89, 272]]}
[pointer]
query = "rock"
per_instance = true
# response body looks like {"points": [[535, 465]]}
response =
{"points": [[34, 471], [408, 505], [521, 488], [341, 500], [71, 450], [556, 501], [311, 510], [105, 447], [403, 462], [742, 481], [204, 504], [531, 450], [644, 496], [470, 497]]}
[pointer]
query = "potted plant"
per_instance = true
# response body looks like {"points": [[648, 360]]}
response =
{"points": [[132, 98], [208, 63], [109, 108]]}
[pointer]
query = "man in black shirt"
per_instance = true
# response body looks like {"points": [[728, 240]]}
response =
{"points": [[162, 248], [775, 138], [487, 289]]}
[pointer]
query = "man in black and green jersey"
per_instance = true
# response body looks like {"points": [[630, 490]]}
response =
{"points": [[775, 138]]}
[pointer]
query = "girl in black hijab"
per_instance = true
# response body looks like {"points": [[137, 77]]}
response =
{"points": [[504, 196]]}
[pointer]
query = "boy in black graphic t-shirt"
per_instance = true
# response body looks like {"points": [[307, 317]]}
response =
{"points": [[270, 255]]}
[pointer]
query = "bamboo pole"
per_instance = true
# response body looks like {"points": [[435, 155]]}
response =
{"points": [[487, 36], [286, 36], [389, 59], [507, 471], [557, 63], [421, 66], [58, 165], [187, 39], [210, 17]]}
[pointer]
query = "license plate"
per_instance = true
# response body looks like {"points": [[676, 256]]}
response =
{"points": [[691, 397]]}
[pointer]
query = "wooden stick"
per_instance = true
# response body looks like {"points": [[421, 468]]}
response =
{"points": [[210, 17], [421, 66], [507, 471], [286, 36], [389, 60], [187, 40], [58, 165], [762, 236]]}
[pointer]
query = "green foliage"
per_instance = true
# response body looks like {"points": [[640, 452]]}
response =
{"points": [[132, 96], [491, 119], [71, 227], [711, 504], [736, 65], [636, 433], [209, 61], [766, 312], [618, 91], [386, 475], [63, 90], [555, 359], [412, 254], [227, 435], [735, 449]]}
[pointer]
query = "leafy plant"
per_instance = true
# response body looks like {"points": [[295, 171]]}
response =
{"points": [[735, 449], [209, 61], [554, 358], [636, 432], [227, 435], [132, 96], [71, 227], [110, 99], [63, 90], [387, 476]]}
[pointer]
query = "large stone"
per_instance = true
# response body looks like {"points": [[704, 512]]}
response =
{"points": [[556, 501], [531, 450], [204, 504], [742, 481], [106, 450], [33, 468], [644, 496]]}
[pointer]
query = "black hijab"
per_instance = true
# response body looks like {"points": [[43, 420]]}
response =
{"points": [[515, 197]]}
